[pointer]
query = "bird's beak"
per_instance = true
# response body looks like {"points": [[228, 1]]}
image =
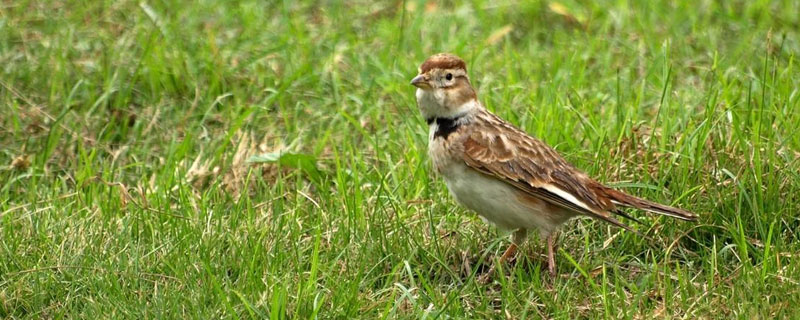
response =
{"points": [[419, 81]]}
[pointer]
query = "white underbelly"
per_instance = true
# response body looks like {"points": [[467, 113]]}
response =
{"points": [[497, 201]]}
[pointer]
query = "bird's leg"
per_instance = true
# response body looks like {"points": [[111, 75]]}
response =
{"points": [[512, 249], [551, 261], [506, 255], [516, 241]]}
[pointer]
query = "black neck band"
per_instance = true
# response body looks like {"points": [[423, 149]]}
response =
{"points": [[444, 126]]}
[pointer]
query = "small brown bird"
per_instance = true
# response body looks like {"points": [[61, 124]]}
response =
{"points": [[509, 178]]}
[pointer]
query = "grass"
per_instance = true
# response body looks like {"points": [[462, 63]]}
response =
{"points": [[126, 126]]}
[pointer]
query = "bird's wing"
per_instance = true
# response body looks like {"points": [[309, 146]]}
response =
{"points": [[496, 148]]}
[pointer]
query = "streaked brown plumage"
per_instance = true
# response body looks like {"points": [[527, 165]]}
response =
{"points": [[508, 177]]}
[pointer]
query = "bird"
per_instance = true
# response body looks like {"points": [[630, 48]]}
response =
{"points": [[509, 178]]}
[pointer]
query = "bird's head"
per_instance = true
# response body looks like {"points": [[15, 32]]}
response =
{"points": [[443, 87]]}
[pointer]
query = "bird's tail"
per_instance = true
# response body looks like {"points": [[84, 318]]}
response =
{"points": [[625, 200]]}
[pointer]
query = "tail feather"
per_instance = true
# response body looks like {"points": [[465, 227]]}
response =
{"points": [[625, 200], [626, 216]]}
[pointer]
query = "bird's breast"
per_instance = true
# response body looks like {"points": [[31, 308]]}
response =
{"points": [[439, 149]]}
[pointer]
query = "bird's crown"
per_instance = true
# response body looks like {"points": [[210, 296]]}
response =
{"points": [[442, 61]]}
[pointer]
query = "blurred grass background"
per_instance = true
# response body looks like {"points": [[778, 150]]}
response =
{"points": [[126, 128]]}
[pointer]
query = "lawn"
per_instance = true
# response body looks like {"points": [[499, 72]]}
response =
{"points": [[243, 159]]}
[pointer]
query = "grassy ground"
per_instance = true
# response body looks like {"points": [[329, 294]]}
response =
{"points": [[126, 126]]}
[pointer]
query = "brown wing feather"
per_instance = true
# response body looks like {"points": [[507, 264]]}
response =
{"points": [[496, 148]]}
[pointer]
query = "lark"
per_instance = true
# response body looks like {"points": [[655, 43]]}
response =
{"points": [[512, 180]]}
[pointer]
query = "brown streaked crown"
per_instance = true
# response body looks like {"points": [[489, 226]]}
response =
{"points": [[442, 61]]}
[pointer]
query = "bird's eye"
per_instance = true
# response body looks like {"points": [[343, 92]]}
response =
{"points": [[449, 76]]}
